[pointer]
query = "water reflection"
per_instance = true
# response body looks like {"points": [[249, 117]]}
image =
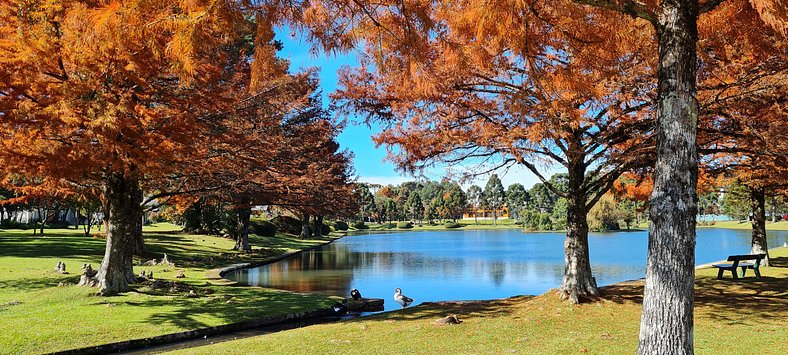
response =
{"points": [[454, 265]]}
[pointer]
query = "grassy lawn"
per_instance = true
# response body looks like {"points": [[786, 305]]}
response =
{"points": [[732, 317], [39, 316], [770, 226]]}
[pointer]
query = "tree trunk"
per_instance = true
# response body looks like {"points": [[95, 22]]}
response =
{"points": [[88, 224], [495, 217], [318, 227], [774, 207], [76, 218], [242, 217], [578, 283], [305, 232], [105, 212], [758, 200], [139, 242], [666, 325], [123, 207]]}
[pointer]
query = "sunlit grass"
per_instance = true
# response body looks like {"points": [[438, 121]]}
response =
{"points": [[39, 316], [731, 317]]}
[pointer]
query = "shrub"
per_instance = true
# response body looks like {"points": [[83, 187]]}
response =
{"points": [[451, 225], [360, 225], [287, 224], [545, 223], [389, 225], [12, 224], [404, 225], [341, 226], [262, 228], [324, 228]]}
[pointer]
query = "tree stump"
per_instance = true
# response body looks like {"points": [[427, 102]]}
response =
{"points": [[88, 277], [61, 267]]}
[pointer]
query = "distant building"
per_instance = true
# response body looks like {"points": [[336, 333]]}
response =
{"points": [[482, 213]]}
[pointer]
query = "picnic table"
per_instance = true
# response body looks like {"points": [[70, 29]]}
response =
{"points": [[738, 264]]}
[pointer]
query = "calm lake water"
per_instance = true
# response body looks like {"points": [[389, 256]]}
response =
{"points": [[471, 265]]}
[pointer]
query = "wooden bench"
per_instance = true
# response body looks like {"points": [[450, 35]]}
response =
{"points": [[737, 263]]}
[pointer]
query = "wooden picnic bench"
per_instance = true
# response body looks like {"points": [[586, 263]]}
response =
{"points": [[737, 263]]}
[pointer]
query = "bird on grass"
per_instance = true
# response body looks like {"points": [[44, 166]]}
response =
{"points": [[403, 300], [355, 294]]}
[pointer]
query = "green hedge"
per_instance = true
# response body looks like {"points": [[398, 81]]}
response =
{"points": [[287, 224], [340, 226], [404, 225], [451, 225], [360, 225], [324, 230], [262, 228]]}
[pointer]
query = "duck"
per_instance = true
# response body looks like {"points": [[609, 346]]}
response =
{"points": [[340, 308], [355, 294], [403, 300]]}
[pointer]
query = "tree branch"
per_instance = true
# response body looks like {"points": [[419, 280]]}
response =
{"points": [[631, 8]]}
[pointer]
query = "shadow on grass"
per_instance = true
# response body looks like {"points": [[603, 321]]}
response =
{"points": [[463, 309], [28, 246], [727, 300], [233, 304], [781, 262], [32, 284]]}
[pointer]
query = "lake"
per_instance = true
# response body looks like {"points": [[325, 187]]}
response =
{"points": [[471, 265]]}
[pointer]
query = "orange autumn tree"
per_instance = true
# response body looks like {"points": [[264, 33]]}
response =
{"points": [[529, 88], [126, 95], [667, 322], [688, 34], [743, 127], [295, 164]]}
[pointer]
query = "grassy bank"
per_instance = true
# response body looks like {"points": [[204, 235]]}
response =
{"points": [[464, 224], [38, 316], [731, 317], [770, 226]]}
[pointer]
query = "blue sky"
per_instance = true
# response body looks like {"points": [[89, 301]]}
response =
{"points": [[369, 162]]}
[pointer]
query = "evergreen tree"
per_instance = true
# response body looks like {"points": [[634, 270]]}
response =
{"points": [[517, 199], [475, 200], [415, 207], [494, 196]]}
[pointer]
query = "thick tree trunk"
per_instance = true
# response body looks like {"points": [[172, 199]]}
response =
{"points": [[242, 217], [318, 232], [666, 325], [758, 200], [578, 283], [122, 196], [305, 231]]}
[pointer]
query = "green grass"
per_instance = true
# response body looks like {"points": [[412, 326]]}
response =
{"points": [[39, 316], [731, 317], [777, 226]]}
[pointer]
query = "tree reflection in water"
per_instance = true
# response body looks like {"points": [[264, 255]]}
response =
{"points": [[463, 265]]}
